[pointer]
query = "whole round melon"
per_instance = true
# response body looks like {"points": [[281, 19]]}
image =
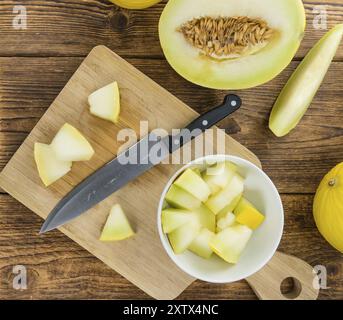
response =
{"points": [[231, 44]]}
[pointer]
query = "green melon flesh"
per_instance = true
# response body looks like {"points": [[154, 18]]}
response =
{"points": [[180, 198], [206, 217], [226, 221], [219, 175], [194, 184], [230, 243], [181, 238], [227, 196], [260, 63], [201, 244], [117, 226], [175, 218], [301, 88]]}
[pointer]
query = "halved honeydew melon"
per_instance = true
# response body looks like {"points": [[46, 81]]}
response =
{"points": [[50, 169], [181, 238], [219, 175], [105, 102], [226, 221], [230, 44], [201, 244], [226, 196], [179, 198], [70, 145], [297, 95], [206, 217], [230, 243], [247, 214], [194, 184], [117, 226], [174, 218]]}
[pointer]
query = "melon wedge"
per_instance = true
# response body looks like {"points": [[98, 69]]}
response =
{"points": [[230, 243], [70, 145], [201, 244], [105, 102], [297, 95], [179, 198], [225, 60], [172, 219], [194, 184], [181, 238], [226, 196], [248, 215], [226, 221], [219, 175], [117, 226], [50, 169], [206, 217]]}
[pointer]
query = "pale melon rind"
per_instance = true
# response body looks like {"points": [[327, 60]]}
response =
{"points": [[135, 4], [285, 16]]}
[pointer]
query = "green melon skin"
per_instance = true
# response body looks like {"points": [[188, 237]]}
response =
{"points": [[286, 17], [297, 95]]}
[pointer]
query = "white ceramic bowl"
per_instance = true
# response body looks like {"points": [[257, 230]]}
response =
{"points": [[260, 190]]}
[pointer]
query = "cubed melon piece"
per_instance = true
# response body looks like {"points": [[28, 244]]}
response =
{"points": [[194, 184], [105, 102], [248, 215], [201, 244], [182, 199], [226, 196], [181, 238], [117, 226], [174, 218], [206, 217], [49, 167], [225, 221], [70, 145], [219, 175], [230, 243]]}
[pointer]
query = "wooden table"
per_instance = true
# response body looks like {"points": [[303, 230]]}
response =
{"points": [[36, 63]]}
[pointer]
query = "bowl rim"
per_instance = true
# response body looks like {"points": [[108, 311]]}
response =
{"points": [[167, 246]]}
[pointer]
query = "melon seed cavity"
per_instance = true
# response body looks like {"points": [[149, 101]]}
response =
{"points": [[225, 36]]}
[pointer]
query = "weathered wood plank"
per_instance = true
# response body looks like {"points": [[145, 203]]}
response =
{"points": [[296, 162], [72, 28], [59, 268]]}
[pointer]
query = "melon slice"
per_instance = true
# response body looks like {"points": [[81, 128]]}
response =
{"points": [[206, 217], [201, 244], [117, 226], [297, 95], [50, 169], [181, 238], [248, 215], [226, 221], [70, 145], [219, 175], [174, 218], [194, 184], [135, 4], [105, 102], [226, 196], [180, 198], [230, 243], [243, 43]]}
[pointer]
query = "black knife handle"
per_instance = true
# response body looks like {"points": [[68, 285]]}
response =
{"points": [[231, 103]]}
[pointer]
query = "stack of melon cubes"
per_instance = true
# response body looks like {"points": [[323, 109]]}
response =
{"points": [[205, 212]]}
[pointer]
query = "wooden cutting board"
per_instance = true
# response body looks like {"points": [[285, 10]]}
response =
{"points": [[141, 259]]}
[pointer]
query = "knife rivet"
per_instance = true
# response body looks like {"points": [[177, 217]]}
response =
{"points": [[233, 103], [205, 123], [176, 141]]}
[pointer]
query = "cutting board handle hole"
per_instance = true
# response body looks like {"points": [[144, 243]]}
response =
{"points": [[291, 288]]}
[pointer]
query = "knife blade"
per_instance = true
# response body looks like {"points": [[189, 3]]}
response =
{"points": [[131, 164]]}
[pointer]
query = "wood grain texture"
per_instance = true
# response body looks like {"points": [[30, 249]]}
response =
{"points": [[141, 100], [58, 268], [77, 25], [29, 85]]}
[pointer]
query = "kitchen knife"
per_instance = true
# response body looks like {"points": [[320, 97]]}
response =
{"points": [[131, 164]]}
